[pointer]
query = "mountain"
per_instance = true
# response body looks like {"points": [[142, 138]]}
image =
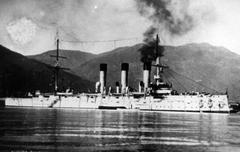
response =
{"points": [[73, 58], [19, 74], [214, 67], [114, 59], [192, 67]]}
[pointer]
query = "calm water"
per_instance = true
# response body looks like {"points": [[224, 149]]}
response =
{"points": [[98, 130]]}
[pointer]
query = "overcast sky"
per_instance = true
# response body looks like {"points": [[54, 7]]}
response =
{"points": [[29, 26]]}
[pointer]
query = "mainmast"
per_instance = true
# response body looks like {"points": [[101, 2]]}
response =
{"points": [[157, 77]]}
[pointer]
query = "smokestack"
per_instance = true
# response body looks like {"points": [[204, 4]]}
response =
{"points": [[146, 74], [103, 75], [140, 86], [97, 87], [117, 87], [124, 76]]}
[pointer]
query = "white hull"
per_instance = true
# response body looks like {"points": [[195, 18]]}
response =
{"points": [[187, 103]]}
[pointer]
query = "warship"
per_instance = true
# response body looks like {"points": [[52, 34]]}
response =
{"points": [[151, 96]]}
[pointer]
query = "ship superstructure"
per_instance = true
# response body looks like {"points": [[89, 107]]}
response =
{"points": [[157, 95]]}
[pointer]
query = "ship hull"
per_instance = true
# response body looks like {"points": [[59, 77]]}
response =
{"points": [[183, 103]]}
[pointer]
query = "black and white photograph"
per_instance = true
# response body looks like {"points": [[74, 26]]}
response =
{"points": [[120, 75]]}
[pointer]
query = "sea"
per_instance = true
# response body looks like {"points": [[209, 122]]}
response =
{"points": [[27, 129]]}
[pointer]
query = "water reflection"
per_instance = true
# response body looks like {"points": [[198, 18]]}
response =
{"points": [[97, 130]]}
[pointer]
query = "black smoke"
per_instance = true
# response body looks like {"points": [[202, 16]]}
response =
{"points": [[170, 16], [150, 51]]}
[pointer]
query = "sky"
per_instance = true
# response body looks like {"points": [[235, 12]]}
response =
{"points": [[32, 26]]}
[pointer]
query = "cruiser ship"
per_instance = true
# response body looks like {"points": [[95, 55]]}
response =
{"points": [[151, 96]]}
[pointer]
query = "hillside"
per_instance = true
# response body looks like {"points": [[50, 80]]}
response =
{"points": [[19, 74], [212, 67], [215, 67], [114, 60], [73, 58]]}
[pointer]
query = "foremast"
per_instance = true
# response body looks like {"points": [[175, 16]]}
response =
{"points": [[57, 66]]}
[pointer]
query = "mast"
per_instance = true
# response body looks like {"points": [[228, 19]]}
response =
{"points": [[159, 68], [57, 67]]}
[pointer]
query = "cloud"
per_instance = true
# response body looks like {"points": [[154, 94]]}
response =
{"points": [[22, 31], [85, 20], [178, 22]]}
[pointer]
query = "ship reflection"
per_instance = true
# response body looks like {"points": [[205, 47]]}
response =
{"points": [[115, 130], [97, 130]]}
